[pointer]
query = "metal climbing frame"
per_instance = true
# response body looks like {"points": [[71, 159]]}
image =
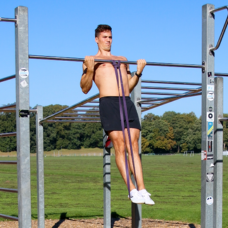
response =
{"points": [[87, 111]]}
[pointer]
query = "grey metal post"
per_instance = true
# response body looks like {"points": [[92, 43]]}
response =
{"points": [[136, 209], [207, 143], [218, 155], [106, 183], [40, 167], [22, 117]]}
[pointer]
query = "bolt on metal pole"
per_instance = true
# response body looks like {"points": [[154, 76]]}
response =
{"points": [[136, 209], [207, 143], [106, 183], [22, 118], [218, 155], [40, 167]]}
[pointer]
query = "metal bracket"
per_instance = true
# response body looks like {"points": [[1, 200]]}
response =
{"points": [[23, 113], [203, 69]]}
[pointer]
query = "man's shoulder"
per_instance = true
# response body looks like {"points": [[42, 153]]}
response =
{"points": [[120, 57]]}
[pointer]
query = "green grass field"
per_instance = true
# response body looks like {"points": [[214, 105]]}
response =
{"points": [[73, 188]]}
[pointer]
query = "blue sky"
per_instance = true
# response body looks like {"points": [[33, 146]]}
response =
{"points": [[158, 31]]}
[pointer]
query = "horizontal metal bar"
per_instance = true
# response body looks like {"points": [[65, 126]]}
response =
{"points": [[8, 190], [71, 121], [8, 217], [166, 88], [8, 134], [110, 61], [192, 93], [71, 107], [157, 93], [76, 111], [219, 9], [8, 106], [168, 98], [7, 78], [80, 118], [171, 82], [94, 102], [8, 162], [8, 19], [221, 74], [223, 31], [223, 119], [84, 114], [89, 106]]}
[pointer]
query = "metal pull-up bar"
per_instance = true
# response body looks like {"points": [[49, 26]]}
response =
{"points": [[223, 29], [110, 61], [8, 19]]}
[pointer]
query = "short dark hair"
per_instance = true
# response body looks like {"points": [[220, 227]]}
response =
{"points": [[102, 28]]}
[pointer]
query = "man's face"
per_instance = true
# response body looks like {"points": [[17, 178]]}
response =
{"points": [[104, 40]]}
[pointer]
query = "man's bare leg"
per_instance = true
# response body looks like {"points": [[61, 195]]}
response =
{"points": [[118, 143], [137, 161]]}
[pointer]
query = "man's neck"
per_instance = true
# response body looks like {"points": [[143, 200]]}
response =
{"points": [[103, 53]]}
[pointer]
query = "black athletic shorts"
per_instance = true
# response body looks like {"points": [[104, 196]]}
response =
{"points": [[110, 114]]}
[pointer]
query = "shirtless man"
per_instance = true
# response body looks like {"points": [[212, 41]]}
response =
{"points": [[103, 74]]}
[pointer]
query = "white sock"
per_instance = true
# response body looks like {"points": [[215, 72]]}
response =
{"points": [[133, 192]]}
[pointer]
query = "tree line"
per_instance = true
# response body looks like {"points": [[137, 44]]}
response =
{"points": [[171, 132]]}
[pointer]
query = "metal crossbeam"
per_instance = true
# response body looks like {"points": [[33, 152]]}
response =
{"points": [[8, 190], [223, 119], [172, 82], [8, 134], [8, 19], [167, 88], [8, 162], [7, 78], [221, 74], [9, 217], [72, 121]]}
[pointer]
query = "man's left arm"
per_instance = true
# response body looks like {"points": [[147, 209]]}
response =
{"points": [[133, 81]]}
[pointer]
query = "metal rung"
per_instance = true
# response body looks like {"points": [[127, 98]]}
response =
{"points": [[8, 19], [8, 162], [8, 190], [171, 82], [8, 134], [7, 78], [9, 217], [223, 119]]}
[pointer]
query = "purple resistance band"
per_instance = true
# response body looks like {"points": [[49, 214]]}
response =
{"points": [[123, 110]]}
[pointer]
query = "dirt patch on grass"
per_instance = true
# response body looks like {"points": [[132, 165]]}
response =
{"points": [[98, 223]]}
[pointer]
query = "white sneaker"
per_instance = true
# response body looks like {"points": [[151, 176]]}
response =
{"points": [[135, 197], [146, 196]]}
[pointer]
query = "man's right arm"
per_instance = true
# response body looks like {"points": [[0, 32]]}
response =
{"points": [[88, 72]]}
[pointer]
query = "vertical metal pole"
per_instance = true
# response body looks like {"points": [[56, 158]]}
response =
{"points": [[106, 183], [207, 143], [136, 209], [22, 117], [218, 156], [40, 167]]}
